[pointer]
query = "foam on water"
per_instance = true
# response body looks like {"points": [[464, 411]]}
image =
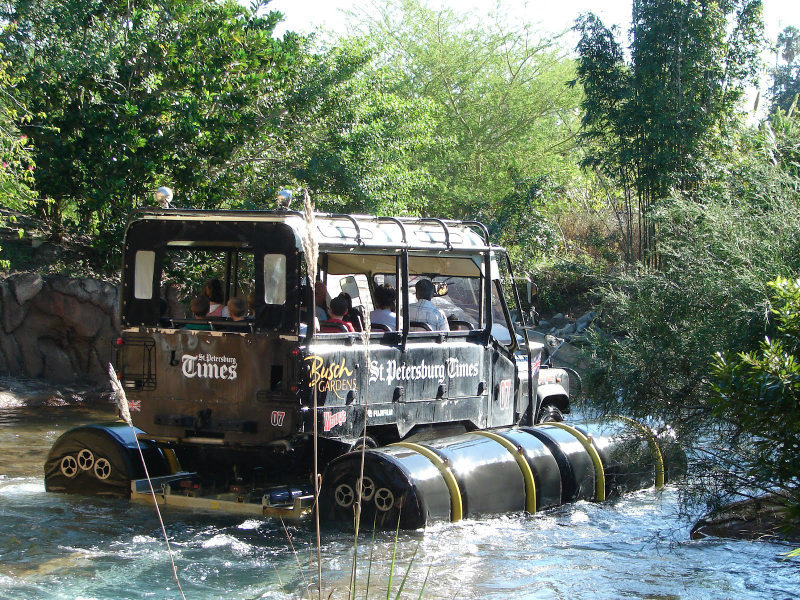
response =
{"points": [[61, 546]]}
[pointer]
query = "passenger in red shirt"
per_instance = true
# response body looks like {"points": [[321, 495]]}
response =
{"points": [[338, 309]]}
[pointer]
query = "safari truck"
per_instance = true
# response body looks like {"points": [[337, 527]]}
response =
{"points": [[225, 410]]}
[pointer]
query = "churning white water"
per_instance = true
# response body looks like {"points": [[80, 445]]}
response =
{"points": [[71, 547]]}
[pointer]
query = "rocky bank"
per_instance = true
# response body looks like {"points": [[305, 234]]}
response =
{"points": [[56, 328]]}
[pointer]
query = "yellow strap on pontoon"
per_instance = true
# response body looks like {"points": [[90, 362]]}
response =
{"points": [[653, 444], [172, 460], [600, 476], [456, 507], [527, 474]]}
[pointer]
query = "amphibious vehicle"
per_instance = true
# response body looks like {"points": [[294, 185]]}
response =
{"points": [[224, 410]]}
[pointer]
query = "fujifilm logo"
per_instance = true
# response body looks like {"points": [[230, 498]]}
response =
{"points": [[380, 412], [208, 366]]}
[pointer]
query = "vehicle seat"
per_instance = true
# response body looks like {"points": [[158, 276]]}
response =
{"points": [[332, 327]]}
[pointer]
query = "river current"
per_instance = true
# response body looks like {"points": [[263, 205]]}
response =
{"points": [[83, 548]]}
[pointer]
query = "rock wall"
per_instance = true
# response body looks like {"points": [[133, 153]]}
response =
{"points": [[57, 329]]}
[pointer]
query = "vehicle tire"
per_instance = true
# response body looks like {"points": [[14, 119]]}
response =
{"points": [[550, 414], [88, 460], [101, 460]]}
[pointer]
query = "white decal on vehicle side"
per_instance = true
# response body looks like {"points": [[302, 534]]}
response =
{"points": [[207, 366]]}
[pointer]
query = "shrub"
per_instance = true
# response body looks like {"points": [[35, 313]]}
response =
{"points": [[717, 250], [756, 397]]}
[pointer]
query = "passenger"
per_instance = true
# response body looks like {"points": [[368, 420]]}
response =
{"points": [[353, 315], [304, 313], [237, 308], [199, 307], [424, 311], [338, 311], [251, 305], [321, 299], [385, 307], [213, 291]]}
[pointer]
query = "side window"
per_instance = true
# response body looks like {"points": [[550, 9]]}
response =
{"points": [[501, 328], [274, 278], [143, 281], [503, 293]]}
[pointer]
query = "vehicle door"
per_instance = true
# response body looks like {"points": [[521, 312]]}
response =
{"points": [[502, 345]]}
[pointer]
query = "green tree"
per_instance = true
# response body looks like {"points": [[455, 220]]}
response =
{"points": [[344, 133], [719, 249], [499, 90], [128, 96], [757, 401], [651, 125], [786, 77], [16, 162]]}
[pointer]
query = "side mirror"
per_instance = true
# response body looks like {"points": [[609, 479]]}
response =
{"points": [[532, 294], [528, 293], [529, 297], [350, 286]]}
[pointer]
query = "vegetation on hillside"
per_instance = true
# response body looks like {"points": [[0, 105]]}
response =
{"points": [[630, 176], [756, 401]]}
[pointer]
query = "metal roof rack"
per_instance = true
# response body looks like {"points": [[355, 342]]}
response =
{"points": [[480, 226], [397, 222]]}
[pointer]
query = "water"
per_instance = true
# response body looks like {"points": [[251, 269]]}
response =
{"points": [[58, 546]]}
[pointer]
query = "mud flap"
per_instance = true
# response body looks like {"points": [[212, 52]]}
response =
{"points": [[100, 459]]}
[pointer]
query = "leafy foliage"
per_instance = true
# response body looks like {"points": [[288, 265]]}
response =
{"points": [[710, 296], [503, 111], [346, 135], [651, 126], [16, 162], [128, 95], [757, 398], [16, 166], [786, 77]]}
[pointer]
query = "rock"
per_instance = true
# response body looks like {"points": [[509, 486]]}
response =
{"points": [[58, 368], [98, 367], [13, 312], [92, 287], [756, 518], [32, 360], [558, 321], [82, 317], [47, 252], [11, 355], [69, 287], [567, 330], [25, 286], [56, 328], [584, 322]]}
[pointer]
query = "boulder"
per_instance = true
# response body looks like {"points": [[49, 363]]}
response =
{"points": [[82, 317], [11, 355], [751, 519], [565, 331], [558, 321], [57, 365], [25, 286], [584, 322], [13, 312], [56, 328], [98, 367], [69, 287]]}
